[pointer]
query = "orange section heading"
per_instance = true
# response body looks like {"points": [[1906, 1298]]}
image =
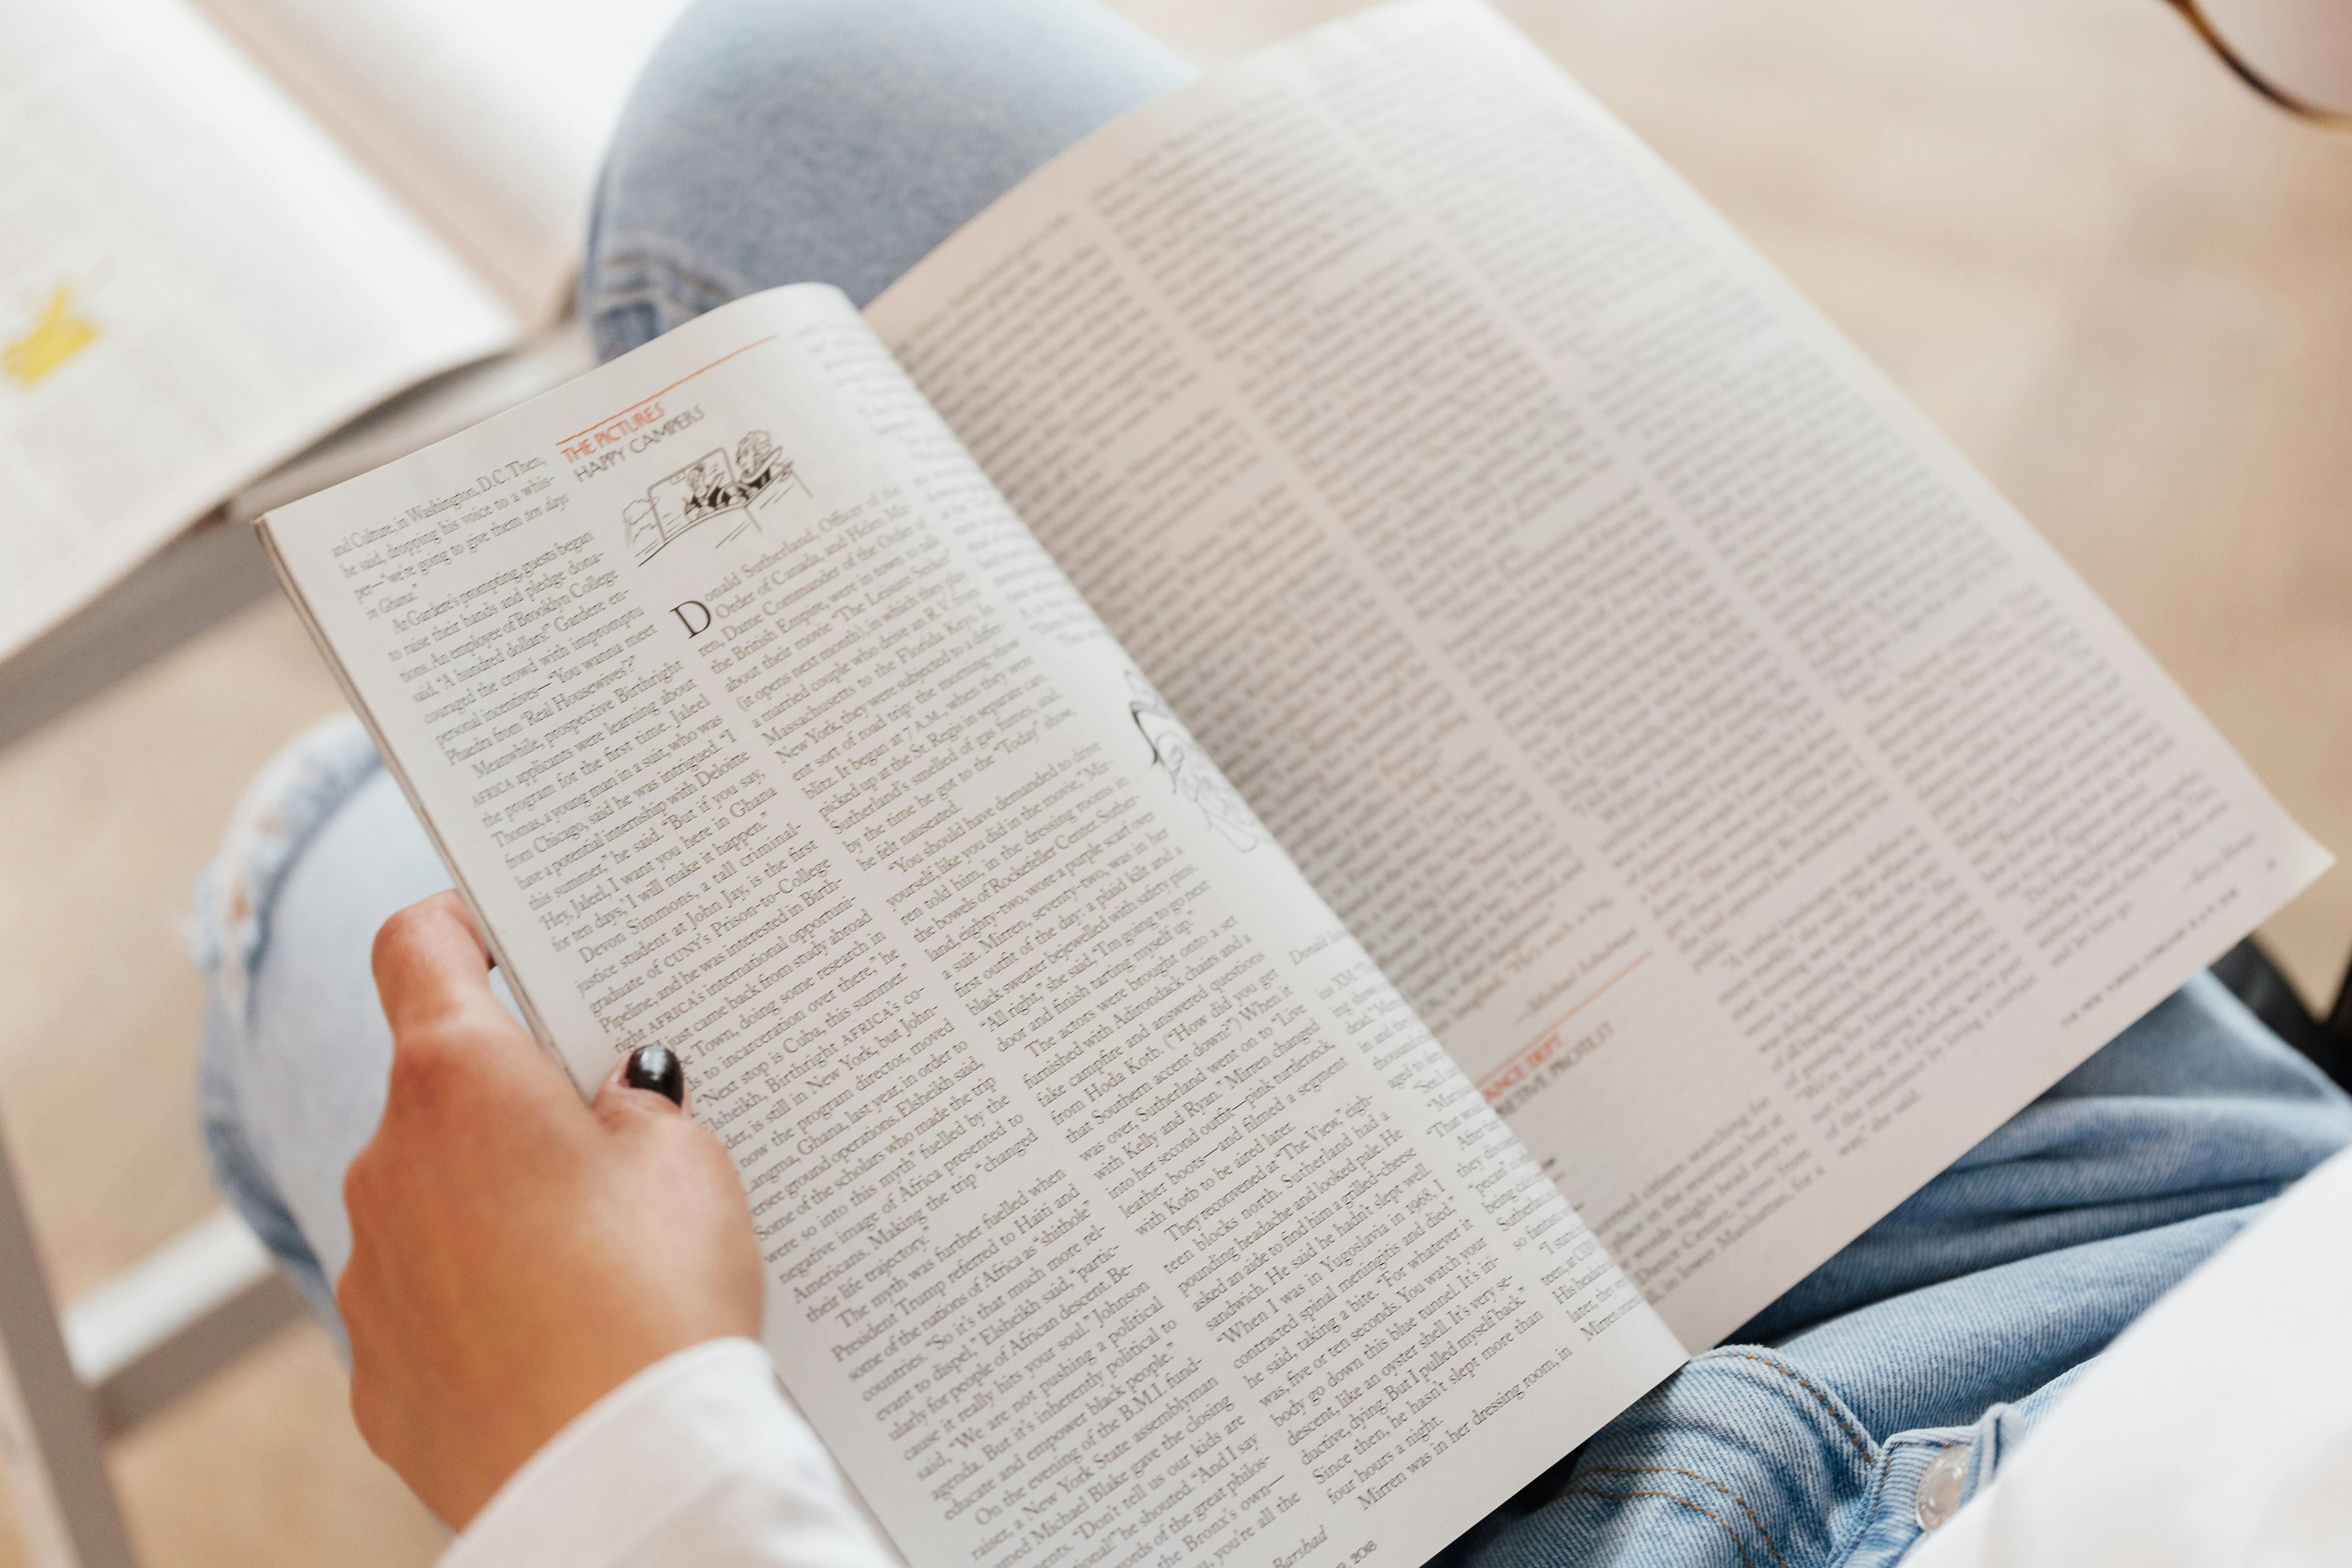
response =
{"points": [[672, 386]]}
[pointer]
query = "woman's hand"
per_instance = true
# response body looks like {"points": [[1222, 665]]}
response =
{"points": [[517, 1253]]}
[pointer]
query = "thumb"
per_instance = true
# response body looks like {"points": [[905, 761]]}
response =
{"points": [[453, 1042], [648, 1081]]}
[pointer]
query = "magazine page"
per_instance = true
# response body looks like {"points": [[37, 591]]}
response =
{"points": [[1115, 1207], [1755, 806], [194, 284], [489, 117]]}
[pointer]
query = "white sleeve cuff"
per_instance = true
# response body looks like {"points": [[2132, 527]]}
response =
{"points": [[698, 1459]]}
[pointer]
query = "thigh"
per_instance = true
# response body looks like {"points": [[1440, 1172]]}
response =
{"points": [[2197, 1108], [838, 142], [1945, 1331]]}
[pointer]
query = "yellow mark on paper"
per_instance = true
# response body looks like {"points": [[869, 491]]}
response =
{"points": [[58, 334]]}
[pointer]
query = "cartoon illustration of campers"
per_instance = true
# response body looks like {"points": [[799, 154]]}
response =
{"points": [[710, 486]]}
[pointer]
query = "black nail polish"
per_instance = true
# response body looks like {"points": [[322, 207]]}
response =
{"points": [[657, 1068]]}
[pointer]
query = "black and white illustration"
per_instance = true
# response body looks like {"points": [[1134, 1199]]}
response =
{"points": [[1191, 774], [713, 486]]}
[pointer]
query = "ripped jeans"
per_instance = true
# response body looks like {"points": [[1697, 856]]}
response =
{"points": [[840, 139]]}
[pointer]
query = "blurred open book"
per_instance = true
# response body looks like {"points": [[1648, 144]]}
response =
{"points": [[226, 233]]}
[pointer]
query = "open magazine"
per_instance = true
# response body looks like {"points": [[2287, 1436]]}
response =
{"points": [[1335, 786], [228, 234]]}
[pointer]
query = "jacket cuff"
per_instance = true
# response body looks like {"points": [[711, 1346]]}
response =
{"points": [[675, 1452]]}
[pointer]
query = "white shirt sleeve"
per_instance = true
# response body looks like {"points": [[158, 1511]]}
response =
{"points": [[2215, 1433], [697, 1459]]}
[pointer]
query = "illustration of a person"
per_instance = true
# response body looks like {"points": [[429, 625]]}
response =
{"points": [[710, 487], [763, 464], [1191, 774]]}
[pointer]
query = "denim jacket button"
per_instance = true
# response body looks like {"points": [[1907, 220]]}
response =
{"points": [[1939, 1487]]}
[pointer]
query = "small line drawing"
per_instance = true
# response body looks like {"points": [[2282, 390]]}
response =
{"points": [[712, 486], [1191, 774]]}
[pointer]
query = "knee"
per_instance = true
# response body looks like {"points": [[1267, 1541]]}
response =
{"points": [[312, 777], [837, 141]]}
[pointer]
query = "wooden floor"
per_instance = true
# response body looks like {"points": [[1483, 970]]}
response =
{"points": [[2111, 276]]}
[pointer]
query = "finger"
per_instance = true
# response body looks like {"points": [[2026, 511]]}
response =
{"points": [[451, 1036], [431, 965], [649, 1081]]}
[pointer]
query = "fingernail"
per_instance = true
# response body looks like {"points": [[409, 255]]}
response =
{"points": [[657, 1068]]}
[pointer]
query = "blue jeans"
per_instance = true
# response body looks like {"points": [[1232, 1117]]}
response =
{"points": [[841, 139]]}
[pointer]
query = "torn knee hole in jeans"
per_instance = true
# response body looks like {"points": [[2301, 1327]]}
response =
{"points": [[284, 807]]}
